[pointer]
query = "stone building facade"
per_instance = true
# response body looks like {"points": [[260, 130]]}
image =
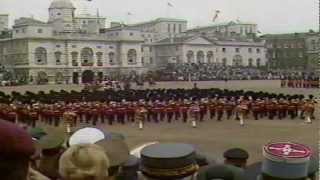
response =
{"points": [[4, 22], [69, 49], [201, 49], [227, 29], [292, 51]]}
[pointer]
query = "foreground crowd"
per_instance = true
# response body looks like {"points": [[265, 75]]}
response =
{"points": [[142, 106], [95, 154]]}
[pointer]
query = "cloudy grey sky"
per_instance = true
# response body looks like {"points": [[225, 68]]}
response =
{"points": [[272, 16]]}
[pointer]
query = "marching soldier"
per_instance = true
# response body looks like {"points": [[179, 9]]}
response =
{"points": [[184, 108], [282, 108], [309, 109], [120, 111], [141, 113], [220, 108], [229, 106], [212, 107], [292, 108], [242, 109], [170, 111], [256, 108], [195, 113], [69, 119], [131, 112]]}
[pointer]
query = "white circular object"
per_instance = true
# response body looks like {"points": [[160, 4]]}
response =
{"points": [[86, 136]]}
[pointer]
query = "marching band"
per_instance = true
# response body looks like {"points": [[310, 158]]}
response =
{"points": [[196, 109]]}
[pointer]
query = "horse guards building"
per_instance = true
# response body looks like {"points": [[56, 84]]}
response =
{"points": [[71, 48]]}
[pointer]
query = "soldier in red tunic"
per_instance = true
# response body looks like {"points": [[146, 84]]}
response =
{"points": [[120, 111], [170, 111], [184, 108], [110, 112], [131, 108], [176, 110], [229, 106], [154, 112], [162, 109], [212, 107], [195, 113], [220, 108], [255, 108], [203, 109]]}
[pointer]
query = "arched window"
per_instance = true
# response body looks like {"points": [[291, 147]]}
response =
{"points": [[200, 57], [258, 62], [87, 57], [57, 56], [190, 57], [132, 56], [250, 62], [111, 58], [40, 56], [59, 78], [42, 78], [237, 60], [224, 62], [74, 57], [99, 58], [210, 56]]}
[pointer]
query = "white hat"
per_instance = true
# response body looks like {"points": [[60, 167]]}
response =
{"points": [[86, 136]]}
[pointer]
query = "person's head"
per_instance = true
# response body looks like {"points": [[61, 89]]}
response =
{"points": [[113, 145], [168, 162], [285, 160], [16, 149], [237, 157], [52, 148], [84, 162]]}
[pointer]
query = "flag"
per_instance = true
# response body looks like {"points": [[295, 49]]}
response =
{"points": [[216, 15], [169, 4]]}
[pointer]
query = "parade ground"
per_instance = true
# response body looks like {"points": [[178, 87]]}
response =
{"points": [[212, 137]]}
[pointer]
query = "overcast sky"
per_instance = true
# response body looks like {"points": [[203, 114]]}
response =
{"points": [[272, 16]]}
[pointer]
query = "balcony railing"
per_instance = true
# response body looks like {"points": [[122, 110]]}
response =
{"points": [[100, 64], [87, 64]]}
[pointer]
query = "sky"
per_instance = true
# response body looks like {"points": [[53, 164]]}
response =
{"points": [[272, 16]]}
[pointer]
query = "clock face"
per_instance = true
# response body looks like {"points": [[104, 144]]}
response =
{"points": [[288, 150]]}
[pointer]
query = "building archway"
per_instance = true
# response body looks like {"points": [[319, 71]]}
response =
{"points": [[87, 76]]}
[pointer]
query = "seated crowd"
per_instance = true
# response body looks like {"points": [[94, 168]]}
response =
{"points": [[208, 72], [95, 154]]}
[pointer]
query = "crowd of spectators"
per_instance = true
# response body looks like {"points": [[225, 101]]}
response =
{"points": [[95, 154], [208, 72]]}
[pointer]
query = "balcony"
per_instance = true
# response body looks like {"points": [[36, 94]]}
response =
{"points": [[87, 64]]}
